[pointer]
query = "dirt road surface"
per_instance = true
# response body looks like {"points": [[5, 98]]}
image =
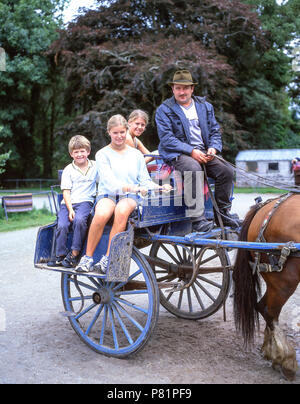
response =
{"points": [[38, 345]]}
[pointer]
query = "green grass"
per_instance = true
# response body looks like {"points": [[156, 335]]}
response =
{"points": [[23, 220], [257, 190]]}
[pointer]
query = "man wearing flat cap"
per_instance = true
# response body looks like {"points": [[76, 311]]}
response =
{"points": [[189, 137]]}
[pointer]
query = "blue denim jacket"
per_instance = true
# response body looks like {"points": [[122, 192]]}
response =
{"points": [[173, 128]]}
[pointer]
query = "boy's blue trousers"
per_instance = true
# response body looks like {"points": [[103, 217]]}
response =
{"points": [[80, 226]]}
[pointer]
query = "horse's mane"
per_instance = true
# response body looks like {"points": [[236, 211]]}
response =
{"points": [[248, 219]]}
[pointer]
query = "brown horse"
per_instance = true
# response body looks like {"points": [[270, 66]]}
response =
{"points": [[282, 226]]}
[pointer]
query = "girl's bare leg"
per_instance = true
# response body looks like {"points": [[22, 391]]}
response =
{"points": [[103, 212], [122, 211]]}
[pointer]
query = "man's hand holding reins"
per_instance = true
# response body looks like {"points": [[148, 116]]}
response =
{"points": [[211, 152], [202, 157]]}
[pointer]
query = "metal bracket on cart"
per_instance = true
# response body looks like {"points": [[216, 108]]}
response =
{"points": [[120, 255]]}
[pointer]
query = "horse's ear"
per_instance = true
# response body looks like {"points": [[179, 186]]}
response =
{"points": [[258, 200]]}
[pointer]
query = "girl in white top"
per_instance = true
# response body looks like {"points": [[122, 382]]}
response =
{"points": [[122, 174], [137, 122]]}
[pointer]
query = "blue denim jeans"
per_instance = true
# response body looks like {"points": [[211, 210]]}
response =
{"points": [[79, 225]]}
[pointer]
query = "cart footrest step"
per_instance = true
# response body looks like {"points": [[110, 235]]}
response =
{"points": [[69, 271]]}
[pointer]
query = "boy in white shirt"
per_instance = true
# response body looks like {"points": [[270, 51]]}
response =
{"points": [[78, 183]]}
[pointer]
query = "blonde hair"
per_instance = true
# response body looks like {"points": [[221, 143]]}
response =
{"points": [[79, 142], [138, 113], [116, 120]]}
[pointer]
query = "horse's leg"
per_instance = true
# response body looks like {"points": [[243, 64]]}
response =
{"points": [[276, 347], [262, 309], [267, 346]]}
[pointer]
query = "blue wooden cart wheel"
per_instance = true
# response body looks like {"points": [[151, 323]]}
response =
{"points": [[209, 290], [113, 318]]}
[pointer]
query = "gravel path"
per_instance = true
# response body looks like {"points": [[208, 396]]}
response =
{"points": [[38, 345]]}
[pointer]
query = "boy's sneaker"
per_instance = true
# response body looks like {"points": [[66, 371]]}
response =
{"points": [[101, 266], [56, 261], [70, 261], [85, 264]]}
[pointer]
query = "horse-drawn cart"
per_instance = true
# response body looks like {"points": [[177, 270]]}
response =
{"points": [[157, 260]]}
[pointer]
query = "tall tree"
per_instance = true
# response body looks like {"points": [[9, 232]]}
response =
{"points": [[268, 89], [121, 56], [27, 28]]}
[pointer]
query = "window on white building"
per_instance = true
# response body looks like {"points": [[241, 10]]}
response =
{"points": [[273, 166]]}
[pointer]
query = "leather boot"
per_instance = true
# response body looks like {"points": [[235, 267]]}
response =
{"points": [[229, 219], [202, 225]]}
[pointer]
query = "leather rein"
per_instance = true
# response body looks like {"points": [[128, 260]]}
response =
{"points": [[266, 181], [278, 258]]}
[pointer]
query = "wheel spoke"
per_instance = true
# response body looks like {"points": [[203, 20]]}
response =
{"points": [[85, 285], [206, 260], [208, 291], [198, 297], [168, 277], [77, 298], [132, 292], [135, 322], [123, 326], [103, 327], [96, 316], [82, 313], [132, 305], [197, 253], [189, 300], [95, 282], [205, 291], [217, 285], [178, 253], [121, 284], [180, 299], [170, 254], [112, 322]]}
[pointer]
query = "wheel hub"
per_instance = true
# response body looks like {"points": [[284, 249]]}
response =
{"points": [[101, 296]]}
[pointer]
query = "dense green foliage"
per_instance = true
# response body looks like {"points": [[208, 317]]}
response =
{"points": [[3, 157], [28, 86], [267, 84], [120, 57]]}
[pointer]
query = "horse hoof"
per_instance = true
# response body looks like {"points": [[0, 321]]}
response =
{"points": [[288, 374]]}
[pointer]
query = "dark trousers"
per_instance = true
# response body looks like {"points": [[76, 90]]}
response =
{"points": [[80, 226], [297, 177], [216, 169]]}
